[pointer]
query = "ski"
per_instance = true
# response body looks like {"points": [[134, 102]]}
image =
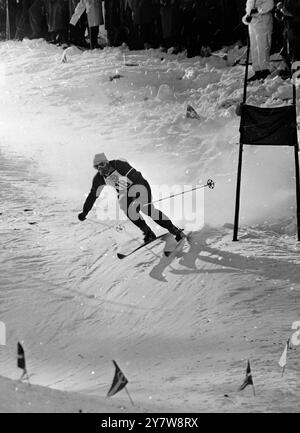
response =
{"points": [[123, 256]]}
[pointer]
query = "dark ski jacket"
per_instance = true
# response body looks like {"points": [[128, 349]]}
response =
{"points": [[122, 178]]}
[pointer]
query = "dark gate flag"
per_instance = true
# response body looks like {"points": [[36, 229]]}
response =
{"points": [[21, 357], [275, 126], [119, 381], [248, 379]]}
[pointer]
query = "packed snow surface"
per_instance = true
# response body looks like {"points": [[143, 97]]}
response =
{"points": [[181, 328]]}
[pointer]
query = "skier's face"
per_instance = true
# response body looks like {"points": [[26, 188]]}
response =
{"points": [[104, 168]]}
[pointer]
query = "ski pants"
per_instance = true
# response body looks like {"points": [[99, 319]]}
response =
{"points": [[139, 198], [260, 33]]}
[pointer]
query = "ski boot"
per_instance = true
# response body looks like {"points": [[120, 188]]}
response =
{"points": [[149, 235], [178, 233]]}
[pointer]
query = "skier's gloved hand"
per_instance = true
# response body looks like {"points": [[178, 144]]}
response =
{"points": [[81, 216]]}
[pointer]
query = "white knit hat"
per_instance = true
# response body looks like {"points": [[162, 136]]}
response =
{"points": [[99, 157]]}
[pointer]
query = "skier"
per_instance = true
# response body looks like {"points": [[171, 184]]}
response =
{"points": [[260, 20], [134, 194]]}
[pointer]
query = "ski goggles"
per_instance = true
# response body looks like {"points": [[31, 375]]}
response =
{"points": [[101, 164]]}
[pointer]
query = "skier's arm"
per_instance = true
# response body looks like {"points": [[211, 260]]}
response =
{"points": [[96, 189], [127, 170]]}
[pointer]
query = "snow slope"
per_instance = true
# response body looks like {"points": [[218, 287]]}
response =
{"points": [[180, 328]]}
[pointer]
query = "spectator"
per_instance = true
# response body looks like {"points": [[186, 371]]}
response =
{"points": [[187, 33], [259, 18], [113, 21], [288, 12], [15, 9], [93, 10], [199, 26], [209, 26], [240, 30], [23, 28], [77, 32], [127, 33], [169, 22], [57, 12], [228, 21], [143, 14], [37, 19]]}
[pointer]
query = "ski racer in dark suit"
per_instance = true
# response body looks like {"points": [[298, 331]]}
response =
{"points": [[134, 194]]}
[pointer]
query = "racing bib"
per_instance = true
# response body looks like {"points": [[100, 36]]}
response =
{"points": [[117, 181]]}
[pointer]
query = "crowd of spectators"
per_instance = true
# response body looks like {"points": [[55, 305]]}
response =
{"points": [[181, 24], [197, 26]]}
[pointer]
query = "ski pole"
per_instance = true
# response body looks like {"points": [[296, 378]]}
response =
{"points": [[210, 183], [118, 227]]}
